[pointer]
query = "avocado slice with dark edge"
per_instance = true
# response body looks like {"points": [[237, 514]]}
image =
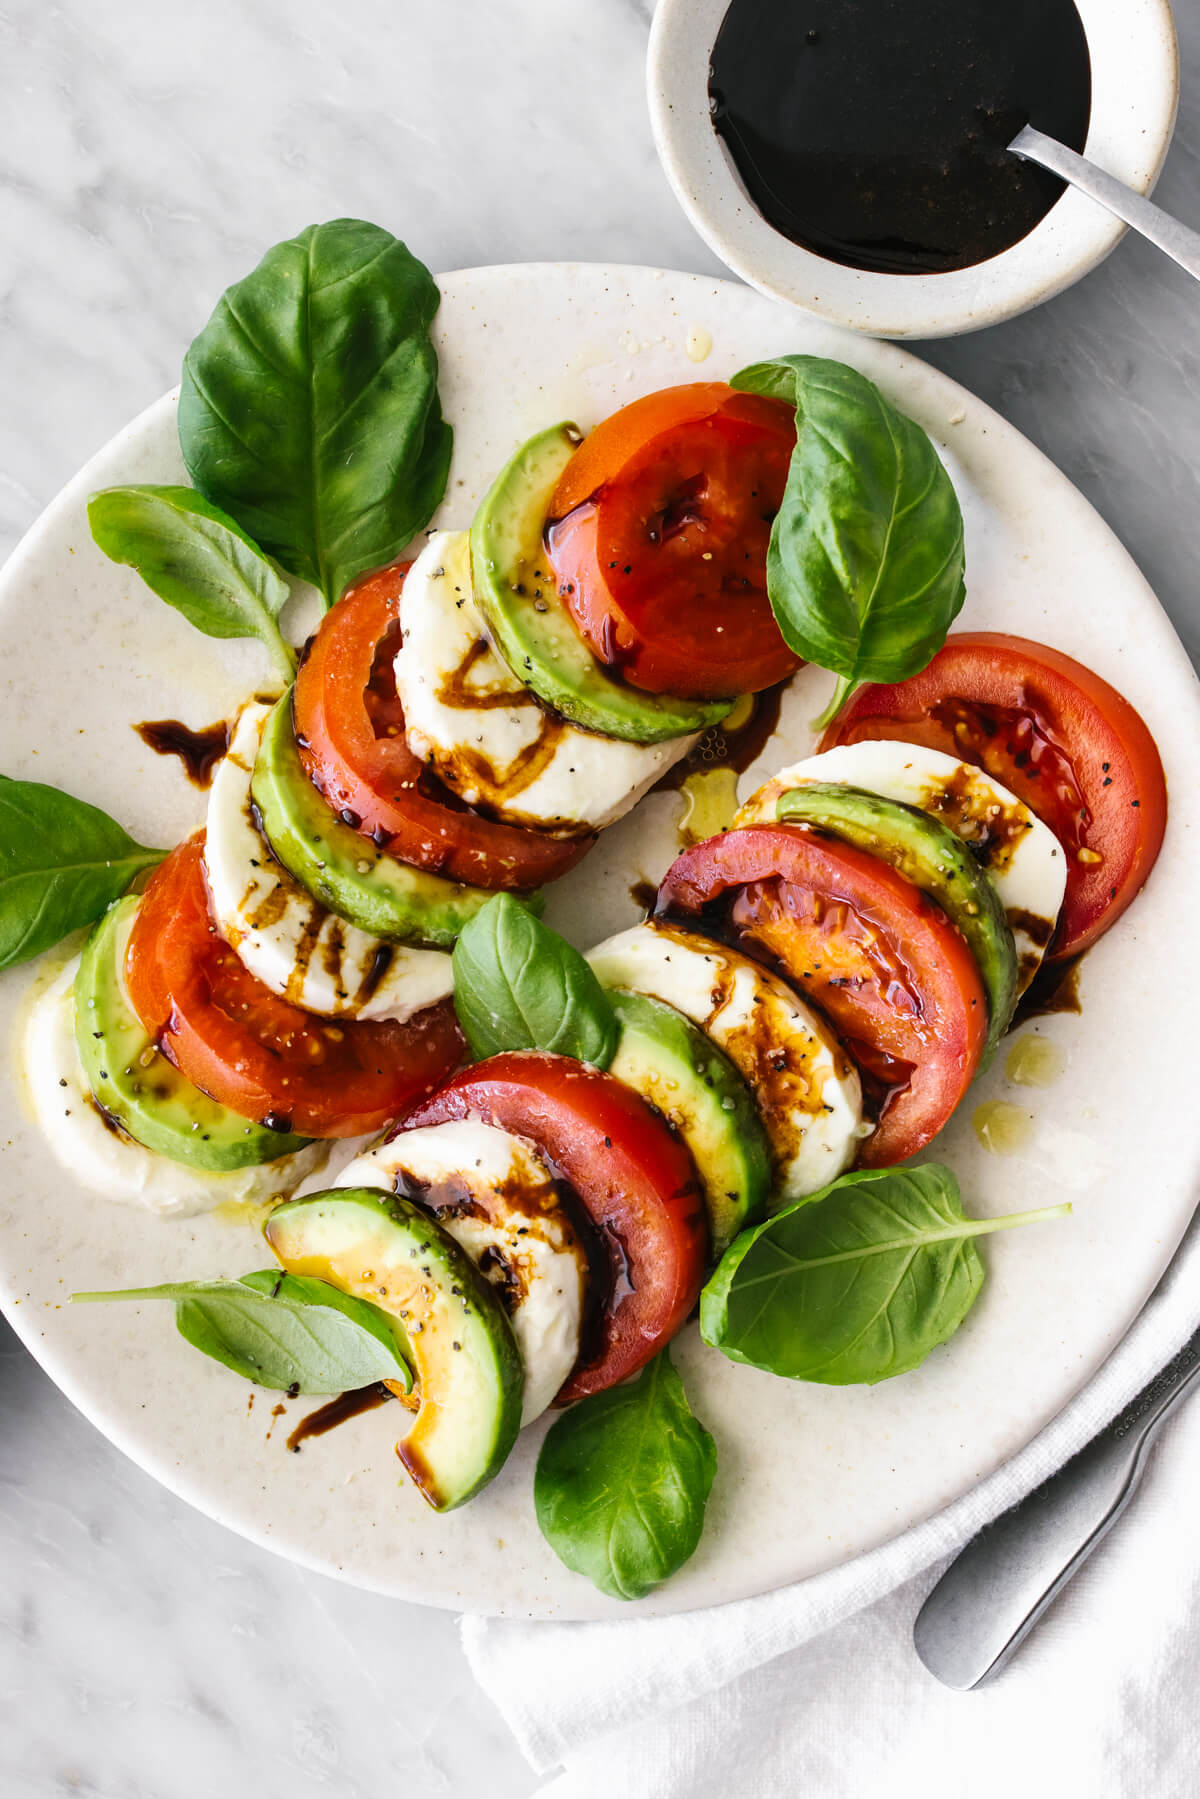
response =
{"points": [[514, 588], [345, 871], [383, 1248], [133, 1082], [929, 855], [674, 1065]]}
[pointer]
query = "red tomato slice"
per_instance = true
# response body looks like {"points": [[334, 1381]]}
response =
{"points": [[350, 728], [635, 1180], [1063, 740], [660, 541], [878, 957], [254, 1052]]}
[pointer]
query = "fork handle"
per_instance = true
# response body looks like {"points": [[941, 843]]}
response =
{"points": [[993, 1594], [1180, 244]]}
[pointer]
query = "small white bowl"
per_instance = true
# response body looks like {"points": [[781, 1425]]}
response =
{"points": [[1135, 94]]}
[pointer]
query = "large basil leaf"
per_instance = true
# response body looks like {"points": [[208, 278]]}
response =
{"points": [[857, 1283], [62, 864], [622, 1482], [197, 559], [309, 406], [518, 985], [865, 564], [282, 1330]]}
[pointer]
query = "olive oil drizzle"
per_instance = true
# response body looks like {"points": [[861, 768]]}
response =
{"points": [[1002, 1129], [1034, 1061], [734, 743]]}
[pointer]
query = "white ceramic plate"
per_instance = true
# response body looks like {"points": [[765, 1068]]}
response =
{"points": [[808, 1476]]}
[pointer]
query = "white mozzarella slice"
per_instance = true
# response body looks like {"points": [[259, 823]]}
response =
{"points": [[488, 738], [100, 1155], [807, 1089], [496, 1197], [283, 936], [1022, 855]]}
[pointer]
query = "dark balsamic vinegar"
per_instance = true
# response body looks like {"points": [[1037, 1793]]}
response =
{"points": [[874, 131], [338, 1411], [199, 751]]}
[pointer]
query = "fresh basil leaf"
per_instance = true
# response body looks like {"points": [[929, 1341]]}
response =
{"points": [[62, 864], [197, 559], [309, 405], [857, 1283], [283, 1330], [865, 564], [622, 1482], [518, 985]]}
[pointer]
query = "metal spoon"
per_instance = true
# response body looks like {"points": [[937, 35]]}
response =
{"points": [[990, 1598], [1181, 244]]}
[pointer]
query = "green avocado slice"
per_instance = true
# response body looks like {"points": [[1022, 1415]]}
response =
{"points": [[132, 1081], [514, 589], [929, 855], [674, 1065], [345, 871], [383, 1248]]}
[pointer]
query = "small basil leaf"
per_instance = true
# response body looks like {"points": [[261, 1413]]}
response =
{"points": [[518, 985], [865, 565], [309, 405], [857, 1283], [62, 864], [283, 1330], [197, 559], [622, 1482]]}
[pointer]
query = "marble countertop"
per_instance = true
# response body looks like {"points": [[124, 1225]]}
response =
{"points": [[148, 155]]}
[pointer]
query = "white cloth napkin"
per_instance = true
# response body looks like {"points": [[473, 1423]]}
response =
{"points": [[816, 1689]]}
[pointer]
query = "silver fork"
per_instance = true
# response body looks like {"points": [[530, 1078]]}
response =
{"points": [[990, 1598]]}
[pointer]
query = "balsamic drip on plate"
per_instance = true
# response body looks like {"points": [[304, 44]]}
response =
{"points": [[338, 1411], [1054, 988]]}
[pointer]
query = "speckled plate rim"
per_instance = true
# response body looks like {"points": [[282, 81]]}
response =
{"points": [[1135, 75], [588, 337]]}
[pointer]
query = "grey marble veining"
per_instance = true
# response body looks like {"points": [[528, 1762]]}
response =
{"points": [[148, 154], [146, 1653]]}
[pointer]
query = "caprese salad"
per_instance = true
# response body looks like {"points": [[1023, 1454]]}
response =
{"points": [[561, 1156]]}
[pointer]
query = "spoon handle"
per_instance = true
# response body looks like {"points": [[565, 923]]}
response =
{"points": [[991, 1597], [1181, 244]]}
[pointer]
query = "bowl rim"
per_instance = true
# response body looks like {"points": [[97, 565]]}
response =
{"points": [[1135, 98]]}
